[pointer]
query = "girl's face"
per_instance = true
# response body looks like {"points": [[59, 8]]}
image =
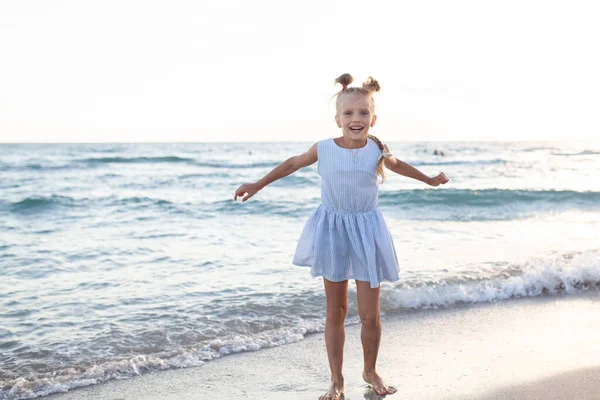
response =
{"points": [[355, 116]]}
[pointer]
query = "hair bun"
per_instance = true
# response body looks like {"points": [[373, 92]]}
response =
{"points": [[371, 85], [344, 79]]}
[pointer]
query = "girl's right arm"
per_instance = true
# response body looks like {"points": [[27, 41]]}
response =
{"points": [[287, 167]]}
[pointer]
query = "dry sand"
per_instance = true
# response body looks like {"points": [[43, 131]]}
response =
{"points": [[582, 384]]}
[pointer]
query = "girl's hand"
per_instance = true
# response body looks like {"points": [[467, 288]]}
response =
{"points": [[441, 178], [246, 191]]}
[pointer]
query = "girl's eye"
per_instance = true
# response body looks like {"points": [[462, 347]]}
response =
{"points": [[347, 113], [365, 113]]}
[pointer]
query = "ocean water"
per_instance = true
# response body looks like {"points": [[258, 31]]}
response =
{"points": [[120, 259]]}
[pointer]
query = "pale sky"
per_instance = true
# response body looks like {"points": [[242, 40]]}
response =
{"points": [[263, 70]]}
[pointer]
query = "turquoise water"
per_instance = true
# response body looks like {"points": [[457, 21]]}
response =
{"points": [[118, 259]]}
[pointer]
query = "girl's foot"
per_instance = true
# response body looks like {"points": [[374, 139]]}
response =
{"points": [[335, 392], [376, 383]]}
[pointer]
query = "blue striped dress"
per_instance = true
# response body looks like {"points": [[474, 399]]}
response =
{"points": [[346, 237]]}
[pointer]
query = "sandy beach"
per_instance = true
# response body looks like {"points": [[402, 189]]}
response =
{"points": [[533, 348], [579, 384]]}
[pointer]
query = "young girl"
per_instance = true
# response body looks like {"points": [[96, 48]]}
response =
{"points": [[346, 237]]}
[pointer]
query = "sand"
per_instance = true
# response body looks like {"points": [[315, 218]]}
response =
{"points": [[532, 348], [580, 384]]}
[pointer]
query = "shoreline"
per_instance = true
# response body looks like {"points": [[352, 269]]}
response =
{"points": [[519, 346]]}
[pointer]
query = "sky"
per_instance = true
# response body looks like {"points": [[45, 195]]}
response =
{"points": [[263, 70]]}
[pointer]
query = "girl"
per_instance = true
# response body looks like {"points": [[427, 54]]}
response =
{"points": [[346, 237]]}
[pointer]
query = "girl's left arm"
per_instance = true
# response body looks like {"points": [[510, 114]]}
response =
{"points": [[402, 168]]}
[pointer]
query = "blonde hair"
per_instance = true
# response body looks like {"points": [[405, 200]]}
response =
{"points": [[369, 87]]}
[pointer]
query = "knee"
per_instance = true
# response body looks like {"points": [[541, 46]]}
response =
{"points": [[370, 318], [337, 314]]}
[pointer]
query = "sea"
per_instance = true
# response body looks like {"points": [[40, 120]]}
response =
{"points": [[118, 260]]}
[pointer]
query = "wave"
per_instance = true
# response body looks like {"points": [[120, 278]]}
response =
{"points": [[39, 203], [581, 153], [99, 161], [142, 200], [486, 197], [539, 148], [35, 167], [177, 160], [458, 162], [128, 160], [262, 164], [297, 181], [569, 273], [260, 207], [489, 204], [565, 274], [200, 176]]}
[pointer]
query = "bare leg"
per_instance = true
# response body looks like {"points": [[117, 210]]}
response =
{"points": [[335, 334], [370, 335]]}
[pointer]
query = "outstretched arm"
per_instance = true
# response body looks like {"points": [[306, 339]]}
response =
{"points": [[287, 167], [402, 168]]}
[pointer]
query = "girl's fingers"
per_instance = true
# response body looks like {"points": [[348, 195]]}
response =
{"points": [[239, 192], [440, 179]]}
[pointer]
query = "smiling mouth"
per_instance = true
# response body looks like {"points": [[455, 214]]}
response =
{"points": [[357, 129]]}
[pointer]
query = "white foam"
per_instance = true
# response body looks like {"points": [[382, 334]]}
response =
{"points": [[71, 378], [549, 276], [218, 347]]}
